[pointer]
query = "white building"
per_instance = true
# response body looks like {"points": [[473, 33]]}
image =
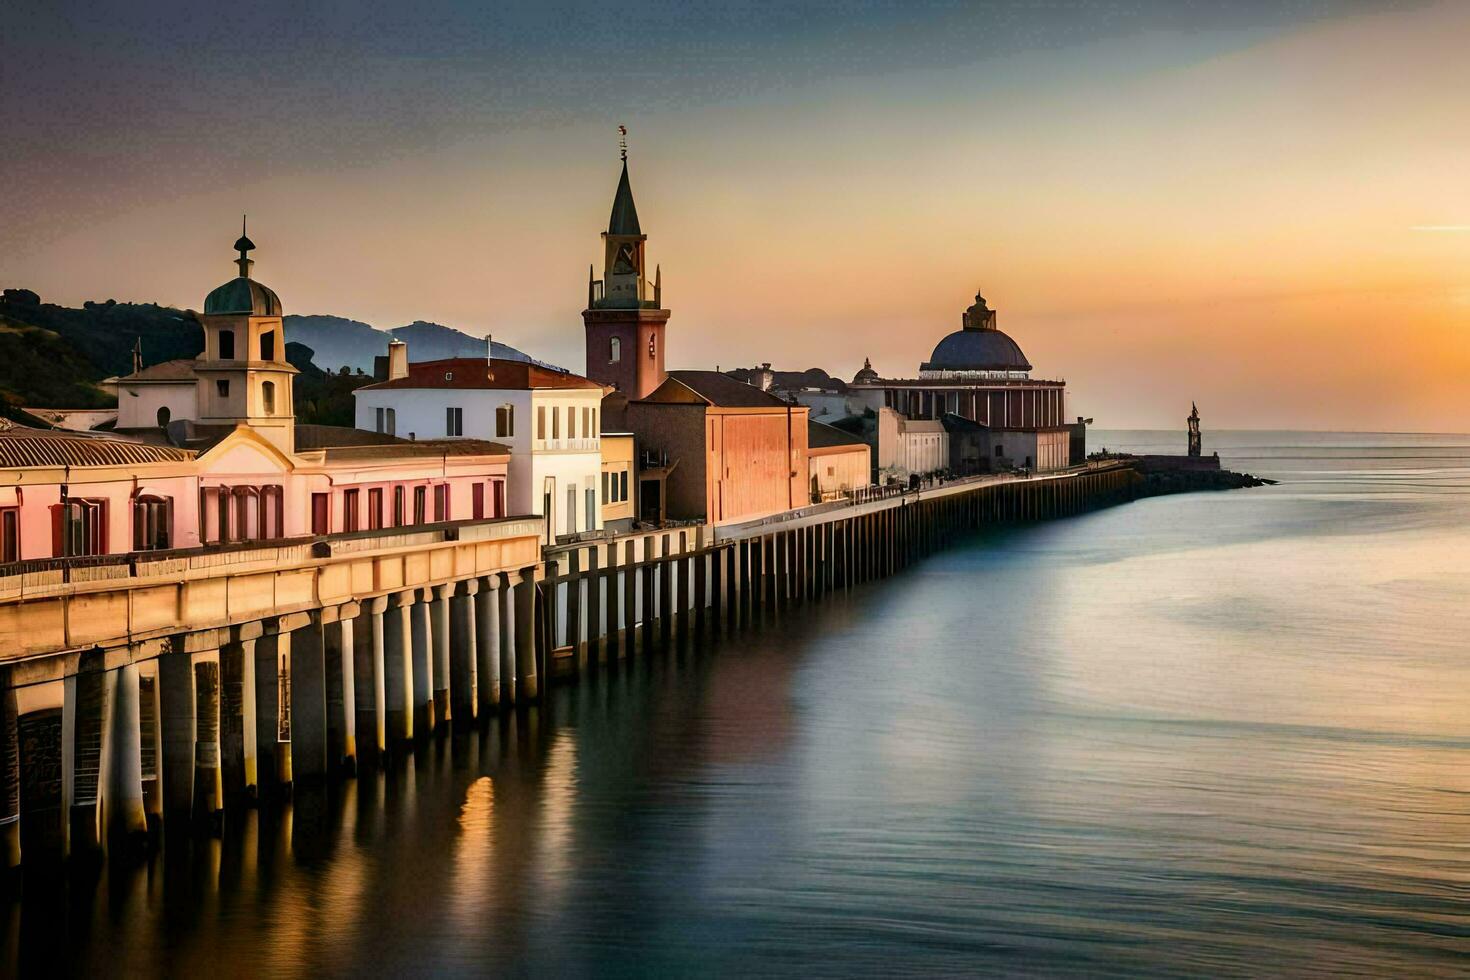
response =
{"points": [[548, 419], [910, 446]]}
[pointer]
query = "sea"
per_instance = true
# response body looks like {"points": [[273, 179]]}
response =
{"points": [[1219, 734]]}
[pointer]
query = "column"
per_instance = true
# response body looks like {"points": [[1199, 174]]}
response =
{"points": [[439, 616], [339, 640], [648, 597], [209, 792], [594, 605], [422, 664], [272, 713], [308, 702], [127, 821], [630, 598], [527, 681], [701, 581], [398, 668], [574, 608], [463, 658], [614, 602], [88, 706], [371, 727], [508, 657], [176, 724], [487, 643], [237, 737], [9, 774]]}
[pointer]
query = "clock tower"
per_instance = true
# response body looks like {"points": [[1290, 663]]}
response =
{"points": [[624, 319]]}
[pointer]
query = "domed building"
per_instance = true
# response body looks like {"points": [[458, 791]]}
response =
{"points": [[978, 383]]}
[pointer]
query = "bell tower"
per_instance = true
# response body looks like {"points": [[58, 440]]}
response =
{"points": [[624, 319], [244, 377]]}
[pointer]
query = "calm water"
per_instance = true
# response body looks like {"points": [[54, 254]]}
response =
{"points": [[1219, 733]]}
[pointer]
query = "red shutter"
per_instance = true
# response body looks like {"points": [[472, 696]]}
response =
{"points": [[477, 501], [58, 512]]}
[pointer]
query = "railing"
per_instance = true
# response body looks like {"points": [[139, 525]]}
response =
{"points": [[17, 579]]}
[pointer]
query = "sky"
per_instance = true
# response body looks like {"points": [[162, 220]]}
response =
{"points": [[1262, 208]]}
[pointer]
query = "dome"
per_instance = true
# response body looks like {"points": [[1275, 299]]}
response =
{"points": [[242, 295], [866, 375], [977, 350]]}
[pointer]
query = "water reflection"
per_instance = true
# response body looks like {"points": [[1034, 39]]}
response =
{"points": [[1199, 735]]}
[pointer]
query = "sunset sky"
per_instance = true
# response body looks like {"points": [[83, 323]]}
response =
{"points": [[1265, 209]]}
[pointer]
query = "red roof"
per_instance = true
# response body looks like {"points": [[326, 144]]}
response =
{"points": [[479, 372]]}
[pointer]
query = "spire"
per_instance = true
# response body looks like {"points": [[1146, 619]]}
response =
{"points": [[138, 354], [244, 245], [624, 220]]}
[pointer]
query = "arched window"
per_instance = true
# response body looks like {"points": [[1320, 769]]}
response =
{"points": [[227, 345], [163, 416], [614, 351], [268, 397]]}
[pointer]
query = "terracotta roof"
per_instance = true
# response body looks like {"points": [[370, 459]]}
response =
{"points": [[417, 449], [478, 372], [819, 435], [32, 447], [177, 370], [720, 390], [311, 437]]}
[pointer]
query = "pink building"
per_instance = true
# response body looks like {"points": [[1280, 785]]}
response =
{"points": [[235, 466]]}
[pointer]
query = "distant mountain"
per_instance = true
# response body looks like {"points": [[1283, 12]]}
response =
{"points": [[338, 342]]}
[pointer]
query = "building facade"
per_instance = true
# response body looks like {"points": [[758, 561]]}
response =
{"points": [[549, 421], [838, 462], [726, 451], [624, 320], [238, 470], [979, 373]]}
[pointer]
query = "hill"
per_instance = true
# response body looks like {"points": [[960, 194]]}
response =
{"points": [[340, 342]]}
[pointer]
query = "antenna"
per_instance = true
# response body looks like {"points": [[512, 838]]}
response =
{"points": [[623, 142]]}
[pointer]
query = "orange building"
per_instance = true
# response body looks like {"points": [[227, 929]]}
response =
{"points": [[732, 451]]}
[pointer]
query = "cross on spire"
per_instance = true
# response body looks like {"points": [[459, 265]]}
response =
{"points": [[244, 245], [623, 143]]}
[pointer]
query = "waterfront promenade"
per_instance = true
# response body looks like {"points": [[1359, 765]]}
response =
{"points": [[154, 693]]}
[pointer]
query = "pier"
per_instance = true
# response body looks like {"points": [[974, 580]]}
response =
{"points": [[148, 692]]}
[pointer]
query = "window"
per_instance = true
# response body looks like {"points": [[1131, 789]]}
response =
{"points": [[349, 510], [379, 420], [541, 422], [398, 507], [571, 510], [375, 508], [10, 534], [392, 419], [571, 423], [555, 422], [614, 351], [227, 345], [163, 416], [587, 432], [591, 508], [152, 522], [441, 502], [623, 485], [605, 481], [79, 527], [268, 346], [497, 498], [453, 421], [222, 388], [321, 513], [477, 501], [505, 422], [268, 397], [420, 505]]}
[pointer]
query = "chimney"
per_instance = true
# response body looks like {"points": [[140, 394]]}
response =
{"points": [[397, 359], [489, 348]]}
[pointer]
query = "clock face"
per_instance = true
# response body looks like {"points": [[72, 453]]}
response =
{"points": [[623, 264]]}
